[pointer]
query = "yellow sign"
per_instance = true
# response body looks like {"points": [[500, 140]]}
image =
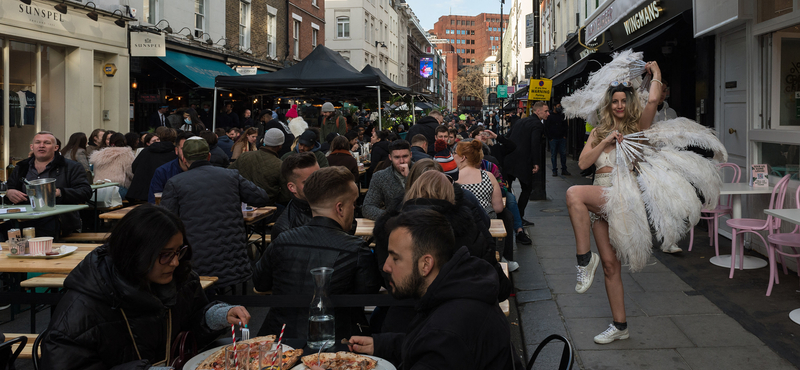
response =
{"points": [[110, 69], [540, 89]]}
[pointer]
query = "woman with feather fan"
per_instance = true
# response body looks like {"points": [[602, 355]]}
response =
{"points": [[643, 174]]}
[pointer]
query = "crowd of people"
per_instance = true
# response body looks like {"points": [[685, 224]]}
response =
{"points": [[432, 198]]}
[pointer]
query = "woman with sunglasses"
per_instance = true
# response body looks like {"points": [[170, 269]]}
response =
{"points": [[621, 114], [128, 300]]}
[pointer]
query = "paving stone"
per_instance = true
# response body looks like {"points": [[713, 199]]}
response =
{"points": [[660, 282], [539, 320], [751, 357], [653, 359], [715, 331], [645, 333], [673, 303], [594, 304], [558, 265], [529, 296]]}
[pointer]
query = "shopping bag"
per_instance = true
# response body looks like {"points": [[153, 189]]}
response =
{"points": [[108, 197]]}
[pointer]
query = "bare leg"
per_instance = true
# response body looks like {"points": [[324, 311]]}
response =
{"points": [[582, 199], [612, 269]]}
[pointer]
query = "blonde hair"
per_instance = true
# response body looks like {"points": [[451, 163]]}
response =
{"points": [[432, 185], [633, 113], [420, 167]]}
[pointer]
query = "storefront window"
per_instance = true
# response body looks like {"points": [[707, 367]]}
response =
{"points": [[51, 95], [768, 9], [22, 98], [786, 79], [783, 159]]}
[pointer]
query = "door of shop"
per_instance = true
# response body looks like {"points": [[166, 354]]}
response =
{"points": [[732, 125]]}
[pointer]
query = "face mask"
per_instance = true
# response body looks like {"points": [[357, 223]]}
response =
{"points": [[188, 121], [205, 109]]}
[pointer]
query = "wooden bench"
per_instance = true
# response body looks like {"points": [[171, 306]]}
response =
{"points": [[57, 281], [504, 304], [363, 191], [27, 352], [257, 238], [84, 237]]}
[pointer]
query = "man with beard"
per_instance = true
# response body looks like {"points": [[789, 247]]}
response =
{"points": [[459, 324], [295, 170]]}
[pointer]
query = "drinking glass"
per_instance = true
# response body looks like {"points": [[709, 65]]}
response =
{"points": [[240, 360], [3, 191], [269, 356]]}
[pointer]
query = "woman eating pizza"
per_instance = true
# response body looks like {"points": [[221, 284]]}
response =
{"points": [[128, 300]]}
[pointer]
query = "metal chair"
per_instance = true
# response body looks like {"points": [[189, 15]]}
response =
{"points": [[35, 355], [779, 240], [7, 357], [722, 209], [567, 357], [740, 226]]}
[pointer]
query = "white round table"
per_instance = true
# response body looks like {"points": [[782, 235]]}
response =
{"points": [[750, 263]]}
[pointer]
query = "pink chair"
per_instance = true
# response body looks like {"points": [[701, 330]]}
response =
{"points": [[740, 226], [776, 241], [713, 215]]}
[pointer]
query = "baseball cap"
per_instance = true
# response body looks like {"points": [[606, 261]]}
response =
{"points": [[308, 138], [195, 148]]}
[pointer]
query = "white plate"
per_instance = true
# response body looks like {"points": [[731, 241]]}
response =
{"points": [[66, 250], [382, 364], [196, 360]]}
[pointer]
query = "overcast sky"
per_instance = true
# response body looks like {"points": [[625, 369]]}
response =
{"points": [[429, 12]]}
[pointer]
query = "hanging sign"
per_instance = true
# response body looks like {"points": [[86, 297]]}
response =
{"points": [[146, 44], [540, 89], [502, 91]]}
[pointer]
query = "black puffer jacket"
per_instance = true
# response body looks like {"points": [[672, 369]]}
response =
{"points": [[208, 201], [297, 213], [145, 165], [88, 331], [284, 269], [70, 178], [459, 324], [218, 157], [426, 126]]}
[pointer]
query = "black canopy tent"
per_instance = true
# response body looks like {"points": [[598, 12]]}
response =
{"points": [[323, 73]]}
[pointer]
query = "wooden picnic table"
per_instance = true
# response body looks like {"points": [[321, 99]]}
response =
{"points": [[61, 265], [365, 226], [29, 214], [254, 216], [117, 214]]}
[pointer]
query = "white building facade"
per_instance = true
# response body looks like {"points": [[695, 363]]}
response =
{"points": [[366, 32]]}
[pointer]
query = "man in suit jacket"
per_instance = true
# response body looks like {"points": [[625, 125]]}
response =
{"points": [[159, 118], [523, 163]]}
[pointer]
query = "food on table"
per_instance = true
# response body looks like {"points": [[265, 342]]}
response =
{"points": [[216, 361], [340, 361]]}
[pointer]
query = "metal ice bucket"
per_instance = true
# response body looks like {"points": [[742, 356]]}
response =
{"points": [[42, 194]]}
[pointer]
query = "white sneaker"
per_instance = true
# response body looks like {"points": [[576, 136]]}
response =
{"points": [[586, 274], [512, 266], [673, 249], [611, 334]]}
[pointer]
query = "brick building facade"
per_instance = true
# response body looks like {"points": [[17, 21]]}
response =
{"points": [[269, 31], [472, 39]]}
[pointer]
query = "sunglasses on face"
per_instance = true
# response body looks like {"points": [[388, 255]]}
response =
{"points": [[618, 83], [165, 258]]}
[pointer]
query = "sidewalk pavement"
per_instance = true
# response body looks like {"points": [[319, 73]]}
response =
{"points": [[672, 325]]}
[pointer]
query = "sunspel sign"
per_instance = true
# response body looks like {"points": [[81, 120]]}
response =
{"points": [[146, 44], [540, 89]]}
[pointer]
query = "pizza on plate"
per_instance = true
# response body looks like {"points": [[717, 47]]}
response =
{"points": [[216, 361], [340, 361]]}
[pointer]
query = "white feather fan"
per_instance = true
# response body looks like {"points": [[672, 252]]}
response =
{"points": [[628, 231], [682, 132], [700, 172]]}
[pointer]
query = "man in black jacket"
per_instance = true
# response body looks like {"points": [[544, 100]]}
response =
{"points": [[72, 186], [523, 163], [556, 132], [148, 161], [295, 170], [208, 200], [284, 268], [459, 324], [427, 126], [419, 148]]}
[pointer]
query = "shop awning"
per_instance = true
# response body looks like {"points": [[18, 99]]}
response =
{"points": [[201, 71]]}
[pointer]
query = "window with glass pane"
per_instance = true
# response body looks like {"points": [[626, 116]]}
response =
{"points": [[786, 80], [271, 35], [343, 27], [768, 9], [149, 10], [297, 39], [23, 92], [783, 159], [314, 33], [244, 25], [199, 14]]}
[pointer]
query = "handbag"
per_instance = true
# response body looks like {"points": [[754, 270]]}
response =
{"points": [[183, 349], [108, 197]]}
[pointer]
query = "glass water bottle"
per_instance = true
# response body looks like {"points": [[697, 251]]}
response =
{"points": [[320, 314]]}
